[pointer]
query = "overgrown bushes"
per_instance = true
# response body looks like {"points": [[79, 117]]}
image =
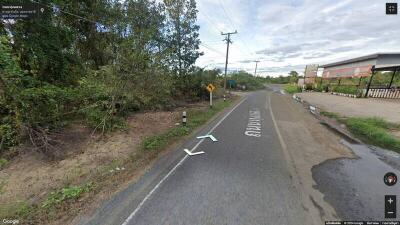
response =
{"points": [[244, 80], [345, 89], [136, 55], [28, 107], [33, 110], [292, 88]]}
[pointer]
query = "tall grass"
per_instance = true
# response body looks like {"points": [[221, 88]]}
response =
{"points": [[292, 88], [374, 131]]}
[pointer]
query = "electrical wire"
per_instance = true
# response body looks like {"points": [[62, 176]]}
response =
{"points": [[234, 25], [65, 12], [212, 49]]}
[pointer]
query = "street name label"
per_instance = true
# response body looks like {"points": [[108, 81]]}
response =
{"points": [[20, 10], [253, 128]]}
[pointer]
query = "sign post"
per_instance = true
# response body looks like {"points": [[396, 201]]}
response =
{"points": [[210, 88], [210, 99]]}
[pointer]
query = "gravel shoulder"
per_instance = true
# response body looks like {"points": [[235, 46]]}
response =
{"points": [[388, 109], [308, 144]]}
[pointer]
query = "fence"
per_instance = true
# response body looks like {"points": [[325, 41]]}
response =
{"points": [[384, 93]]}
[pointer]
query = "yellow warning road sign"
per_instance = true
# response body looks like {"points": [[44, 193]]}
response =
{"points": [[210, 88]]}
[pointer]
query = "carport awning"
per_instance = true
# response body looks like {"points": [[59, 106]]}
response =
{"points": [[359, 71], [387, 67], [362, 66]]}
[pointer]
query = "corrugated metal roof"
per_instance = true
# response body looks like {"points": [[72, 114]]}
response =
{"points": [[362, 58]]}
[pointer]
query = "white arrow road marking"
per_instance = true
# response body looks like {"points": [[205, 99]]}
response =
{"points": [[130, 217], [192, 153], [208, 136]]}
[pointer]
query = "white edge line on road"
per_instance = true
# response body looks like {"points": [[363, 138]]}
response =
{"points": [[126, 222], [281, 141]]}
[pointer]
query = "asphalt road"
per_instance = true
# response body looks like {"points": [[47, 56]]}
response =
{"points": [[240, 179], [264, 169]]}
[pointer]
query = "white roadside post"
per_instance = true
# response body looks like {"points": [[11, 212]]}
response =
{"points": [[184, 118]]}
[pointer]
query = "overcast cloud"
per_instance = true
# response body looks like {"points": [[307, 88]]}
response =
{"points": [[289, 34]]}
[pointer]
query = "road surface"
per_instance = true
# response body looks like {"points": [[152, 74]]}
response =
{"points": [[258, 172]]}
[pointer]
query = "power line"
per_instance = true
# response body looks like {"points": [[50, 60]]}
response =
{"points": [[210, 22], [65, 12], [212, 49], [212, 42], [226, 14], [233, 25]]}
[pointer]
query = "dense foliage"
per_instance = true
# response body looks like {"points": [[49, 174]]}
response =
{"points": [[246, 81], [292, 88], [292, 77], [96, 61], [345, 89]]}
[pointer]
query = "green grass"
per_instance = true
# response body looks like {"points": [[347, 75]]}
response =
{"points": [[374, 131], [292, 88], [2, 185], [195, 119], [25, 211], [18, 209], [61, 195], [3, 162]]}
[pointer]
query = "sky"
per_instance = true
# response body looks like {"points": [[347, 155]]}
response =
{"points": [[286, 35]]}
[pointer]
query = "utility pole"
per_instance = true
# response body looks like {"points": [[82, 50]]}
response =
{"points": [[228, 41], [255, 71]]}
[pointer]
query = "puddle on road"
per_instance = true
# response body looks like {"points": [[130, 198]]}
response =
{"points": [[354, 187]]}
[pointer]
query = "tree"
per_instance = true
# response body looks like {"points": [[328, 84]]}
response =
{"points": [[45, 49], [96, 28], [247, 80], [183, 39], [293, 76], [11, 77], [145, 39]]}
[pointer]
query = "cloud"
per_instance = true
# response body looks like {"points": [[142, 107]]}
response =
{"points": [[246, 61], [298, 32], [316, 55], [337, 6], [280, 50], [282, 70]]}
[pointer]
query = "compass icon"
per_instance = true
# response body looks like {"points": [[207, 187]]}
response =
{"points": [[390, 179]]}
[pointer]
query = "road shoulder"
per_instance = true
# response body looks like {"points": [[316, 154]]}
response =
{"points": [[131, 197], [308, 143]]}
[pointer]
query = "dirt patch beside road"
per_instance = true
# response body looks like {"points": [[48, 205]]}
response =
{"points": [[28, 178], [387, 109]]}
